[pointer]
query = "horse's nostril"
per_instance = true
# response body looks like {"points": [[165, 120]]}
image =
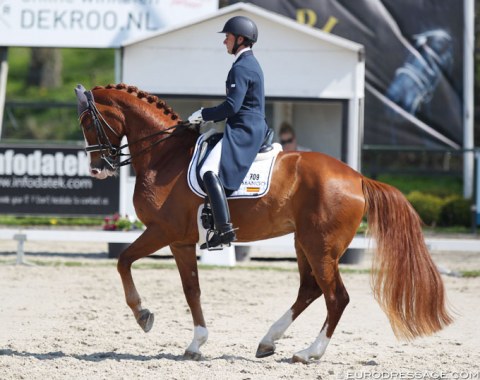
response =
{"points": [[94, 171]]}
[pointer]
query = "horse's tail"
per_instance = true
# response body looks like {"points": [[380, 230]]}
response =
{"points": [[405, 281]]}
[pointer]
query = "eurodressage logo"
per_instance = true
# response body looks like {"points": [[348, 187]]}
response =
{"points": [[394, 375]]}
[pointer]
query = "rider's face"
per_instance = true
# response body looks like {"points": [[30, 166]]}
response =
{"points": [[229, 42]]}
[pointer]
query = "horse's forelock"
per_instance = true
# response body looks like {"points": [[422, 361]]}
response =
{"points": [[142, 95]]}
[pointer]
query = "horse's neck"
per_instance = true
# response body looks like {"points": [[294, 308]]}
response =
{"points": [[147, 154]]}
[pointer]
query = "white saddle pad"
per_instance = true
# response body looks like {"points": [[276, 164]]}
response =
{"points": [[255, 184]]}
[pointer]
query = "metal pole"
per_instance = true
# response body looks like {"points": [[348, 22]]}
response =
{"points": [[3, 82], [124, 170], [476, 200], [468, 106], [20, 238], [118, 65]]}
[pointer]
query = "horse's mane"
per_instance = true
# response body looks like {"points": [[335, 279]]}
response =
{"points": [[143, 95]]}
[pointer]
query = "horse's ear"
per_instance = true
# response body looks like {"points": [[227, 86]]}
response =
{"points": [[82, 102]]}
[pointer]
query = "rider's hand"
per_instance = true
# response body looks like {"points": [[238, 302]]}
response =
{"points": [[196, 117]]}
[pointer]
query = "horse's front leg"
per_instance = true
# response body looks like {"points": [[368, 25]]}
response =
{"points": [[186, 258], [146, 244]]}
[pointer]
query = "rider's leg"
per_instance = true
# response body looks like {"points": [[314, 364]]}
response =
{"points": [[216, 194], [212, 162], [224, 233]]}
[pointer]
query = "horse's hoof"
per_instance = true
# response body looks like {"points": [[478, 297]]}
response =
{"points": [[145, 320], [299, 359], [190, 355], [265, 350]]}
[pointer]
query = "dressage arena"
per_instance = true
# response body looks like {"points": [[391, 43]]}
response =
{"points": [[66, 318]]}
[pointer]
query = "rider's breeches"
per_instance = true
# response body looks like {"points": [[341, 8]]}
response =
{"points": [[212, 163]]}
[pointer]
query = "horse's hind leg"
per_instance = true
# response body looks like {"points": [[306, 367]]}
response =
{"points": [[328, 278], [147, 243], [186, 259], [308, 292]]}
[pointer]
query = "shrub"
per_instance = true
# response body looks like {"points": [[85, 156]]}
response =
{"points": [[455, 212], [427, 206], [120, 223], [438, 186]]}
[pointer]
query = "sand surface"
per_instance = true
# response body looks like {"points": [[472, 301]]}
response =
{"points": [[65, 318]]}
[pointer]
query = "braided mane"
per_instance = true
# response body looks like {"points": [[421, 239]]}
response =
{"points": [[145, 96]]}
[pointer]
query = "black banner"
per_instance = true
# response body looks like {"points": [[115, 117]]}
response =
{"points": [[414, 63], [53, 181]]}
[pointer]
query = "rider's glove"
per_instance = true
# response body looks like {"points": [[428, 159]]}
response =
{"points": [[196, 117]]}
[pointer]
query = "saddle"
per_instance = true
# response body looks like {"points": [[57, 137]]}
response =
{"points": [[211, 140], [257, 180]]}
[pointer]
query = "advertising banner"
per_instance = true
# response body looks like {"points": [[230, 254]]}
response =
{"points": [[414, 63], [52, 181], [91, 23]]}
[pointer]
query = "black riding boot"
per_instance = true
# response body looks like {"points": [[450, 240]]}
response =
{"points": [[224, 232]]}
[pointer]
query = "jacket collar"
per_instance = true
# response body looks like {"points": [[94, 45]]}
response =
{"points": [[243, 53]]}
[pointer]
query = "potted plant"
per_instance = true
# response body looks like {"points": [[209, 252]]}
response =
{"points": [[116, 222]]}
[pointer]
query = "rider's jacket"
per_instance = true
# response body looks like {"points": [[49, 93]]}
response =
{"points": [[244, 109]]}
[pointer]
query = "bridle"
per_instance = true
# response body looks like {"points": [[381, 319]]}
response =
{"points": [[111, 153]]}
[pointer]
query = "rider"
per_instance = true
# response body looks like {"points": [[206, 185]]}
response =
{"points": [[246, 128]]}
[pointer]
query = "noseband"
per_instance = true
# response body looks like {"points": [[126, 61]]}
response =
{"points": [[110, 152]]}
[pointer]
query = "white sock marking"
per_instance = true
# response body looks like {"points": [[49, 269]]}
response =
{"points": [[318, 347], [200, 336], [278, 328]]}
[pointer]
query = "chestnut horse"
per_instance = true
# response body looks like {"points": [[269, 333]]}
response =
{"points": [[318, 198]]}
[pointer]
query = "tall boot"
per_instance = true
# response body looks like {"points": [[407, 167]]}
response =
{"points": [[224, 232]]}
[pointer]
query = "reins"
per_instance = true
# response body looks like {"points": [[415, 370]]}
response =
{"points": [[109, 151], [176, 129]]}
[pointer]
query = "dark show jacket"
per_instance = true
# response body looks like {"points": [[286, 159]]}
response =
{"points": [[246, 127]]}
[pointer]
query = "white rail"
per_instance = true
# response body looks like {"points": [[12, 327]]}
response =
{"points": [[280, 244]]}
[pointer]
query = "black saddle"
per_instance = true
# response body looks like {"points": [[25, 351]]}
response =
{"points": [[267, 142]]}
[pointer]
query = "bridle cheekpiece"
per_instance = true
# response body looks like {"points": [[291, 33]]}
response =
{"points": [[111, 153]]}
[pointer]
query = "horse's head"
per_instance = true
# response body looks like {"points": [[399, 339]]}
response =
{"points": [[102, 126]]}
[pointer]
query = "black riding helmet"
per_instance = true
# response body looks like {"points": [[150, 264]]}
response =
{"points": [[241, 26]]}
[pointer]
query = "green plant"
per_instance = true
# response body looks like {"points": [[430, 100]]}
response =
{"points": [[438, 186], [30, 220], [50, 114], [120, 223], [427, 206], [456, 212]]}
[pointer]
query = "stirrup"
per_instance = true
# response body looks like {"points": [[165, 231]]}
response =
{"points": [[216, 240], [212, 241]]}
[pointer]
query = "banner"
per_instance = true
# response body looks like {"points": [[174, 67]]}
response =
{"points": [[53, 181], [414, 63], [91, 23]]}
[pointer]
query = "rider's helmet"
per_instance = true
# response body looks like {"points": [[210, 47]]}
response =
{"points": [[241, 26]]}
